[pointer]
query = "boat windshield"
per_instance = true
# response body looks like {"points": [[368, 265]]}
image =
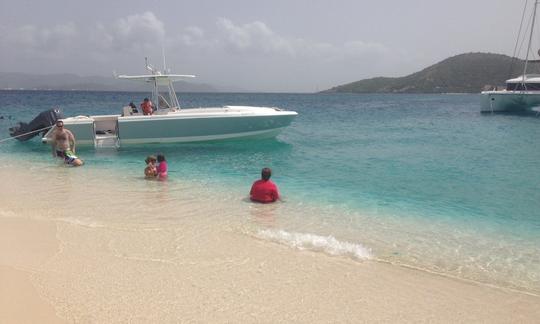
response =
{"points": [[522, 86]]}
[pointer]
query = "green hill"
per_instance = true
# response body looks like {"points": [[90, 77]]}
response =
{"points": [[464, 73]]}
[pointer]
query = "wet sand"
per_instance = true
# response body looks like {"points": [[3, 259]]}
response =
{"points": [[111, 263]]}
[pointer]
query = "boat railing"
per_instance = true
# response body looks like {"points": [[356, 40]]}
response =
{"points": [[163, 104]]}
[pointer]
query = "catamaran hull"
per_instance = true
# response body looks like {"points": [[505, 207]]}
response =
{"points": [[509, 101]]}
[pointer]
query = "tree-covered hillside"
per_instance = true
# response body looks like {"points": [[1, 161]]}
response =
{"points": [[464, 73]]}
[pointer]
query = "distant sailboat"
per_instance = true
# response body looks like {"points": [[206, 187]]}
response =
{"points": [[522, 94]]}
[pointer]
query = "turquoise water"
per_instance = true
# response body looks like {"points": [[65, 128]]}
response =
{"points": [[421, 180]]}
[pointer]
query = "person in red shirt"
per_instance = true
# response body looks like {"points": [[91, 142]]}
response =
{"points": [[264, 190], [146, 107]]}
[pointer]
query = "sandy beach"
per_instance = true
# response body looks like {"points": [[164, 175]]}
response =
{"points": [[89, 269], [24, 245]]}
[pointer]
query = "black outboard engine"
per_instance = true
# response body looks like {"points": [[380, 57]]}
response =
{"points": [[43, 120]]}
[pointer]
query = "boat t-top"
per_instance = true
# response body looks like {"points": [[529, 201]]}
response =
{"points": [[170, 123]]}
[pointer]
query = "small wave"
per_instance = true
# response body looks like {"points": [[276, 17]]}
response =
{"points": [[81, 222], [326, 244]]}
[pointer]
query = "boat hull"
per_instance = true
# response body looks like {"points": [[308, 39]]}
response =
{"points": [[169, 130], [182, 127], [509, 101]]}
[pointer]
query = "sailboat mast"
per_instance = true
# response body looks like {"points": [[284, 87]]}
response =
{"points": [[530, 41]]}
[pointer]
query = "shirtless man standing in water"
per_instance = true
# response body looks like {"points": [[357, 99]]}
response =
{"points": [[63, 145]]}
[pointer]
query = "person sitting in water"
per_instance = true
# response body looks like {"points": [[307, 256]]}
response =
{"points": [[264, 190], [146, 107], [63, 145], [134, 109], [162, 167], [150, 171]]}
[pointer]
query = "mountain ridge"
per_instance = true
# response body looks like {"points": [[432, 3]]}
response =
{"points": [[463, 73]]}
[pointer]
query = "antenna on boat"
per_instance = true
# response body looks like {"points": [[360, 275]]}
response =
{"points": [[163, 54]]}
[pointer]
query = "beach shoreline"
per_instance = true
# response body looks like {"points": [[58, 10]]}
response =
{"points": [[112, 269]]}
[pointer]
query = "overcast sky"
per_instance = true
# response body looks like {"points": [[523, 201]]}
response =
{"points": [[272, 45]]}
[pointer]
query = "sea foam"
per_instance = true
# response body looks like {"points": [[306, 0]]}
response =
{"points": [[327, 244]]}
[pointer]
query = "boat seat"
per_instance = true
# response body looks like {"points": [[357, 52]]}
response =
{"points": [[127, 111], [161, 112]]}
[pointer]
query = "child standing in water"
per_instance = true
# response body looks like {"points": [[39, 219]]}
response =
{"points": [[162, 167], [150, 171]]}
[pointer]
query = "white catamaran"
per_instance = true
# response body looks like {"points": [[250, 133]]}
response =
{"points": [[169, 123], [521, 94]]}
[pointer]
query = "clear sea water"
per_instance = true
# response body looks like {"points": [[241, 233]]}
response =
{"points": [[424, 181]]}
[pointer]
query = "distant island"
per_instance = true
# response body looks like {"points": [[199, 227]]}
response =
{"points": [[23, 81], [464, 73]]}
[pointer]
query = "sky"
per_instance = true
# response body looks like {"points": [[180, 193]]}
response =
{"points": [[252, 45]]}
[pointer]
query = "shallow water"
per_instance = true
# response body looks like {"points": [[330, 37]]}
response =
{"points": [[420, 180]]}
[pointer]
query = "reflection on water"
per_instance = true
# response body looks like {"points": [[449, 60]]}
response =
{"points": [[264, 214]]}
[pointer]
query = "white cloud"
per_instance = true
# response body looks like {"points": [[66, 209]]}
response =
{"points": [[137, 32], [134, 33], [248, 47], [45, 41], [254, 36], [192, 36], [144, 33], [257, 37]]}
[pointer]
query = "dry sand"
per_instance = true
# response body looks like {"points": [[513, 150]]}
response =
{"points": [[24, 245]]}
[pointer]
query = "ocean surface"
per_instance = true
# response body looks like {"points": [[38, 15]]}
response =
{"points": [[423, 181]]}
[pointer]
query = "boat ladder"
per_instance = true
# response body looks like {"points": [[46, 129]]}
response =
{"points": [[106, 141]]}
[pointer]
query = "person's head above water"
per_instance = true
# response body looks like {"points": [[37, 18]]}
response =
{"points": [[146, 100], [160, 157], [150, 158], [266, 173]]}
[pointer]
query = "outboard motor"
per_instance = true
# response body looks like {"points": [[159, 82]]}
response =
{"points": [[43, 120]]}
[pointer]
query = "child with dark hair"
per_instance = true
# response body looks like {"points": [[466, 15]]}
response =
{"points": [[162, 167]]}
